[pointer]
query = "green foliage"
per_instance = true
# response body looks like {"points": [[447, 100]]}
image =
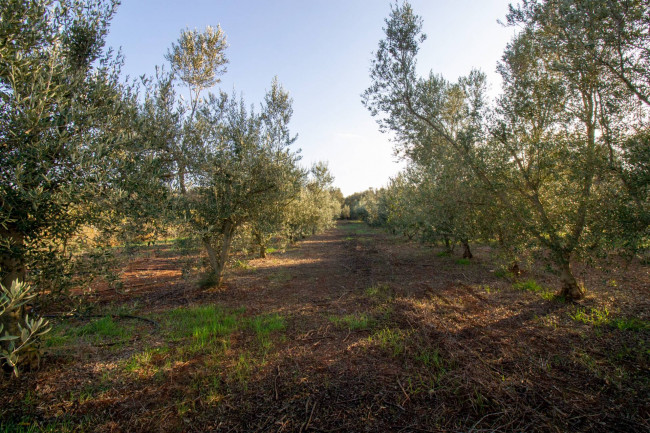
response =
{"points": [[198, 59], [19, 334], [317, 206], [365, 206], [547, 165], [63, 116], [463, 261]]}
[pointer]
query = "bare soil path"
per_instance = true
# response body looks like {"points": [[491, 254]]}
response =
{"points": [[373, 334]]}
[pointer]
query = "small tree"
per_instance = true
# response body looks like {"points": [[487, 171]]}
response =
{"points": [[248, 171]]}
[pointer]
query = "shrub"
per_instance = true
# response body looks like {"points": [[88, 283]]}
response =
{"points": [[19, 335]]}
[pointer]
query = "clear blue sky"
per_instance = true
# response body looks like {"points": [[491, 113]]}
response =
{"points": [[321, 51]]}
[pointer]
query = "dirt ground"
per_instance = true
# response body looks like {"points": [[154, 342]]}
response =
{"points": [[352, 330]]}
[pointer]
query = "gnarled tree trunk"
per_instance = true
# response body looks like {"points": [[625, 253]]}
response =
{"points": [[218, 258], [467, 253], [570, 290]]}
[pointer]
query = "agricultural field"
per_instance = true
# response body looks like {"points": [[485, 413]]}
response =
{"points": [[350, 330], [341, 216]]}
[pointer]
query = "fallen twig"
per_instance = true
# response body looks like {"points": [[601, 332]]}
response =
{"points": [[275, 383]]}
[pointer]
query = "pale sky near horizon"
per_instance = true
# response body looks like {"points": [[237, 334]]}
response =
{"points": [[321, 52]]}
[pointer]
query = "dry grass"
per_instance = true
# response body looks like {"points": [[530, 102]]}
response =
{"points": [[444, 347]]}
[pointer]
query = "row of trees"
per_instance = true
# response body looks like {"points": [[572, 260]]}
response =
{"points": [[81, 148], [559, 160]]}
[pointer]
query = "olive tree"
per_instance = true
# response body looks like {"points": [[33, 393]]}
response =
{"points": [[197, 60], [248, 169], [59, 99], [546, 144]]}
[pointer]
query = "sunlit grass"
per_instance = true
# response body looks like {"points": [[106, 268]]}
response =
{"points": [[392, 340], [601, 317]]}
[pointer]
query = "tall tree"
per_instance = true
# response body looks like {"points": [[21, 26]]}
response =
{"points": [[59, 97], [549, 139], [197, 60], [60, 110]]}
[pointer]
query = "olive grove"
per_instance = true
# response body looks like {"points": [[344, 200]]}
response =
{"points": [[551, 160]]}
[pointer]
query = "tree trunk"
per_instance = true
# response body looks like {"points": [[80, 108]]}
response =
{"points": [[448, 248], [213, 256], [571, 290], [217, 258], [467, 253], [227, 233], [260, 243]]}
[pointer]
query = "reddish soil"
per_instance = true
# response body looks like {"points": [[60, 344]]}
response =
{"points": [[450, 347]]}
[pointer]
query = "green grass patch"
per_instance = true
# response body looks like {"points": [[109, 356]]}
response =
{"points": [[601, 317], [270, 250], [58, 336], [430, 357], [353, 322], [242, 369], [96, 330], [358, 228], [208, 280], [443, 254], [28, 426], [630, 324], [391, 340], [591, 316], [532, 286], [503, 273], [265, 325], [463, 262], [105, 327], [146, 359], [205, 325], [379, 291]]}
